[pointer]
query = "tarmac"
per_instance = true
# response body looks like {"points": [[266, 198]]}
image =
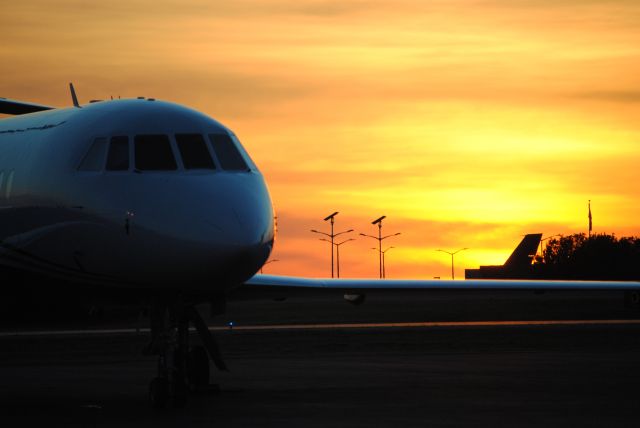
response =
{"points": [[444, 359]]}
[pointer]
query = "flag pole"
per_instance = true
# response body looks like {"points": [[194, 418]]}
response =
{"points": [[590, 219]]}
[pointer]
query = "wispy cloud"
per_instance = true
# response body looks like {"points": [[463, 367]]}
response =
{"points": [[612, 96]]}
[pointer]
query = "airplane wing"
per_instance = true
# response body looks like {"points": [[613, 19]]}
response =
{"points": [[284, 284], [15, 107]]}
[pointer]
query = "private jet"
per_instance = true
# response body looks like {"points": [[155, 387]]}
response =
{"points": [[147, 201]]}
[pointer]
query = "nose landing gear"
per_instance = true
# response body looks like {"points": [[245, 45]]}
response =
{"points": [[181, 369]]}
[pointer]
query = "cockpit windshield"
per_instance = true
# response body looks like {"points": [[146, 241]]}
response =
{"points": [[153, 153], [118, 157], [159, 152], [194, 151], [227, 153]]}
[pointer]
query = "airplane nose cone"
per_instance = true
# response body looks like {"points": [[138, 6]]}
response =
{"points": [[242, 229], [215, 230]]}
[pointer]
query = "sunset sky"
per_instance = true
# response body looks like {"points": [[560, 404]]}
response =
{"points": [[467, 123]]}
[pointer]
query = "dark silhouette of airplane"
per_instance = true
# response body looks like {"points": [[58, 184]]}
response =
{"points": [[517, 266]]}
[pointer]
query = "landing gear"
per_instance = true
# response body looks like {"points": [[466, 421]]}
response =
{"points": [[159, 392], [181, 369], [198, 367]]}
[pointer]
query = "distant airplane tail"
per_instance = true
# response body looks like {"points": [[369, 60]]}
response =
{"points": [[518, 265], [524, 253]]}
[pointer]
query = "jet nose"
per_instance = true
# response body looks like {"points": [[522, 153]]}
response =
{"points": [[244, 264], [201, 229], [243, 226]]}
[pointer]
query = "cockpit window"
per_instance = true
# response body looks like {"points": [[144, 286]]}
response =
{"points": [[194, 151], [153, 153], [118, 158], [227, 153], [94, 159]]}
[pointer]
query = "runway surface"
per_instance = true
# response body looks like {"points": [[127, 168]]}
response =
{"points": [[539, 370]]}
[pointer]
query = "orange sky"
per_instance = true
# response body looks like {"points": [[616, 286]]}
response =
{"points": [[468, 123]]}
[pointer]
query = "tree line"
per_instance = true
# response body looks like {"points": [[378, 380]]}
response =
{"points": [[597, 257]]}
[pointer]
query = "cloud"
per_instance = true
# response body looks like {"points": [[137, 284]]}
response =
{"points": [[611, 96]]}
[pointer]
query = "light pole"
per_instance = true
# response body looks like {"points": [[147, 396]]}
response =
{"points": [[384, 270], [380, 238], [270, 261], [331, 235], [338, 251], [453, 254]]}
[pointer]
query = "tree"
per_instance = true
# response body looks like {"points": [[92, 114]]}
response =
{"points": [[599, 257]]}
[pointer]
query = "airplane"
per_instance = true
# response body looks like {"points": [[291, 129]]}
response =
{"points": [[517, 266], [142, 200]]}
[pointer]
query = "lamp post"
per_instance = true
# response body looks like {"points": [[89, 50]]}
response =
{"points": [[270, 261], [331, 235], [453, 254], [380, 238], [384, 270], [338, 252]]}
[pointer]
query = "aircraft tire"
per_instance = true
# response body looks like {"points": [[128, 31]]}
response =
{"points": [[198, 367], [159, 392], [179, 393]]}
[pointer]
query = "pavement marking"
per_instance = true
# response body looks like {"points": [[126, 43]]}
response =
{"points": [[342, 326], [428, 324]]}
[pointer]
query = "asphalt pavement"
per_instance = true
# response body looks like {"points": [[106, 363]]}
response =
{"points": [[579, 372]]}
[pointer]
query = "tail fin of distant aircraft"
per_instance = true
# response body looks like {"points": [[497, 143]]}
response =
{"points": [[14, 107], [524, 253]]}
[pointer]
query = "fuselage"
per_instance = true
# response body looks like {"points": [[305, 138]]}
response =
{"points": [[131, 192]]}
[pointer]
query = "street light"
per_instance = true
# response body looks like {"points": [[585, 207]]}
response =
{"points": [[270, 261], [380, 238], [338, 251], [452, 254], [331, 235], [384, 270]]}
